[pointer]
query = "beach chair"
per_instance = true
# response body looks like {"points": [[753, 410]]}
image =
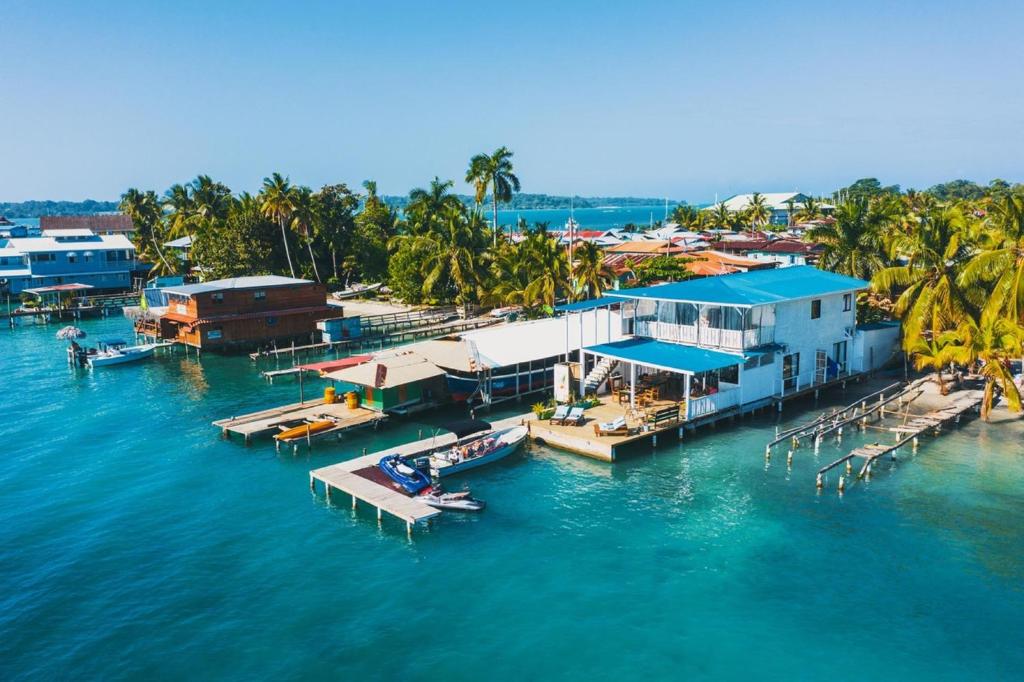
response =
{"points": [[575, 416], [616, 427], [561, 412]]}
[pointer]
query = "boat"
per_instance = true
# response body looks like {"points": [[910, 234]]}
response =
{"points": [[117, 352], [459, 501], [398, 470], [469, 453], [305, 429], [355, 290]]}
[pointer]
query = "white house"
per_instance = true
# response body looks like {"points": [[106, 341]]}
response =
{"points": [[742, 340], [777, 202]]}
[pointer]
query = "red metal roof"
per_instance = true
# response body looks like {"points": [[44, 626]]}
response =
{"points": [[332, 365], [114, 222]]}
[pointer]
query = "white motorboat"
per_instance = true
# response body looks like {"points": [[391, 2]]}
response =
{"points": [[459, 501], [477, 451], [116, 352], [355, 290]]}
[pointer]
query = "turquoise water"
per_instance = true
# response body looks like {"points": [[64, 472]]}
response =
{"points": [[588, 218], [135, 542]]}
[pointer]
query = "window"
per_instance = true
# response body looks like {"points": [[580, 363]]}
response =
{"points": [[767, 359], [259, 295], [271, 321], [214, 334], [847, 302], [839, 354], [217, 298], [815, 308], [72, 257], [751, 362]]}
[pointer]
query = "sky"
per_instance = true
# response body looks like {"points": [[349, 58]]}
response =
{"points": [[687, 100]]}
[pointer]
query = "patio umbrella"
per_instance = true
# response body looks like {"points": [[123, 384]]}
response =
{"points": [[70, 332]]}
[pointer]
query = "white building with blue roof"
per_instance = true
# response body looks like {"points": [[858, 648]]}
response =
{"points": [[740, 341]]}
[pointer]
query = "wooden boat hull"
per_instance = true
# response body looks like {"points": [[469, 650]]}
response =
{"points": [[305, 429]]}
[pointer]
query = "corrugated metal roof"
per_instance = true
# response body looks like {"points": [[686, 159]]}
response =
{"points": [[46, 244], [403, 367], [756, 287], [251, 282], [670, 356]]}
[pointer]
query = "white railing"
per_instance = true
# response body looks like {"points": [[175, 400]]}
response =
{"points": [[734, 339], [710, 404]]}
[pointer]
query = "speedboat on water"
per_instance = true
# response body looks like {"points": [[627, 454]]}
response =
{"points": [[437, 498], [469, 453], [398, 470], [117, 352]]}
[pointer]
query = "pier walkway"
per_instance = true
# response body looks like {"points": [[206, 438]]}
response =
{"points": [[269, 421], [358, 478]]}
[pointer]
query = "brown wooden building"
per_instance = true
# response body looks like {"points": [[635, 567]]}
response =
{"points": [[105, 223], [243, 312]]}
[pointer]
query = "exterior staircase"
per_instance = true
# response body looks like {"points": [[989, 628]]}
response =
{"points": [[598, 375]]}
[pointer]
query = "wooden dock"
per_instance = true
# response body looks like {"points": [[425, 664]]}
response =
{"points": [[267, 421], [359, 478], [910, 431]]}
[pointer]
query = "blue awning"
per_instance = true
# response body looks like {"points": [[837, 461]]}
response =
{"points": [[673, 357], [580, 306]]}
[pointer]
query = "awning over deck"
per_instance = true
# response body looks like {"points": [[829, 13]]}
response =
{"points": [[580, 306], [672, 357]]}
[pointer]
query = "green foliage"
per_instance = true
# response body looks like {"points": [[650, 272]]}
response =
{"points": [[661, 269], [34, 209]]}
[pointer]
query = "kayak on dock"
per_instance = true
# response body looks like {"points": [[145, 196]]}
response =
{"points": [[302, 430]]}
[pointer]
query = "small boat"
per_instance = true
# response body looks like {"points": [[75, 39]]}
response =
{"points": [[355, 290], [477, 451], [117, 352], [302, 430], [460, 501], [398, 470]]}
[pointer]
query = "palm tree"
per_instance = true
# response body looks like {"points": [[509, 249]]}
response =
{"points": [[494, 172], [991, 340], [686, 216], [930, 297], [277, 202], [180, 209], [302, 221], [548, 267], [721, 216], [930, 353], [854, 244], [428, 206], [758, 211], [809, 210], [1003, 262], [451, 255], [145, 212], [589, 271]]}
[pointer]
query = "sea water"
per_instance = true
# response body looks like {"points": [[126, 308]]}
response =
{"points": [[136, 543]]}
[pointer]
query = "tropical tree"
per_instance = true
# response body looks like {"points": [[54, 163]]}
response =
{"points": [[547, 265], [495, 172], [854, 244], [589, 271], [1002, 264], [991, 340], [662, 268], [451, 251], [809, 210], [758, 212], [428, 206], [303, 221], [277, 200], [145, 212], [721, 217], [686, 216], [929, 352], [930, 297], [179, 210]]}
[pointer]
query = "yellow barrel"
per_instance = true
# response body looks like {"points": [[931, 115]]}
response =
{"points": [[330, 395], [351, 400]]}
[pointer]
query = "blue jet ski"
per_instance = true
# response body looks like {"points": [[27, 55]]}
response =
{"points": [[398, 470]]}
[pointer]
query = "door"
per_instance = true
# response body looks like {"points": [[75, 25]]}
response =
{"points": [[839, 356], [820, 366], [790, 371]]}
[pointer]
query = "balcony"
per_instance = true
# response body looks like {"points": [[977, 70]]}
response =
{"points": [[703, 335], [728, 396]]}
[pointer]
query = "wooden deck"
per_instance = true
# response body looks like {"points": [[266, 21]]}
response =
{"points": [[267, 421], [584, 441], [353, 478]]}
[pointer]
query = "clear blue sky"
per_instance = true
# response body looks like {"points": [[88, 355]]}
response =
{"points": [[641, 98]]}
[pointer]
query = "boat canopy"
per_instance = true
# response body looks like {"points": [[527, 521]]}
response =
{"points": [[467, 427]]}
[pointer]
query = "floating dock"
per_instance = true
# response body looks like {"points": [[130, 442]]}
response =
{"points": [[362, 481], [269, 421]]}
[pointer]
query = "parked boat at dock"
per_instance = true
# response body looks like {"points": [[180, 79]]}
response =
{"points": [[306, 428], [458, 501], [401, 472], [117, 352], [482, 448]]}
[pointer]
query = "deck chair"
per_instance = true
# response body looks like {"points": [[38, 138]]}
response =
{"points": [[616, 427], [575, 416], [561, 412]]}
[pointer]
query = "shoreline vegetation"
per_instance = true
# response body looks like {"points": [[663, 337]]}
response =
{"points": [[948, 262]]}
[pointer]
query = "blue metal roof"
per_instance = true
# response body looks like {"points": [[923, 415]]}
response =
{"points": [[671, 356], [588, 305], [756, 287]]}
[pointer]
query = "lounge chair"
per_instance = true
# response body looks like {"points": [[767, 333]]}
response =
{"points": [[561, 412], [575, 416], [616, 427]]}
